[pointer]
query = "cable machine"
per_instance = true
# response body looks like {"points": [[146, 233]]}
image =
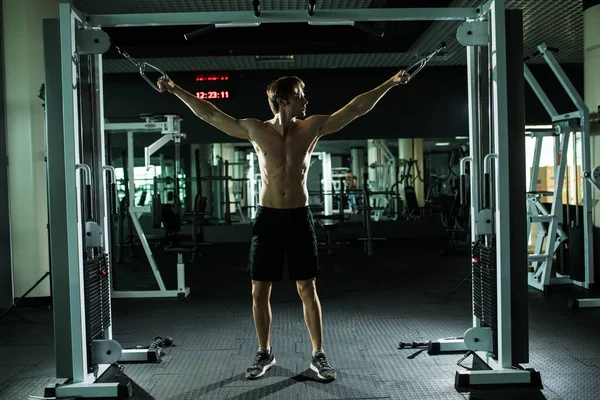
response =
{"points": [[79, 189]]}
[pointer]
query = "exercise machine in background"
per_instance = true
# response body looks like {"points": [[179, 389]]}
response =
{"points": [[169, 126], [382, 180], [570, 242]]}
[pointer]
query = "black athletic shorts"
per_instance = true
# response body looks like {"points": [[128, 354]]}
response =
{"points": [[280, 233]]}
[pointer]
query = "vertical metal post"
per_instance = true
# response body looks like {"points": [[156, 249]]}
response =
{"points": [[57, 208], [130, 170], [358, 164], [226, 185], [588, 250], [474, 98], [474, 134], [177, 166], [341, 204], [217, 186], [161, 184], [104, 216], [557, 160], [502, 196], [367, 217], [72, 185], [6, 263], [327, 183], [517, 275]]}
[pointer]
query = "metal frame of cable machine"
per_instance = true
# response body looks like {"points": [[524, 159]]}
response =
{"points": [[499, 335], [66, 220], [79, 210]]}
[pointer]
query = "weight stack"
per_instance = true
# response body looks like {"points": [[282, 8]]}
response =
{"points": [[97, 296], [485, 289]]}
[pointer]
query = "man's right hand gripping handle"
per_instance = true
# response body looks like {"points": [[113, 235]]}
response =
{"points": [[166, 84], [202, 109]]}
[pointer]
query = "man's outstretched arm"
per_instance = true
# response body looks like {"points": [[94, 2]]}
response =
{"points": [[239, 128], [360, 105]]}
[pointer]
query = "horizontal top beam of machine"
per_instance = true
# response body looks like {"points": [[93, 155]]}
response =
{"points": [[237, 18]]}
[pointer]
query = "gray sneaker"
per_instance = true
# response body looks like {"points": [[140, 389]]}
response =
{"points": [[321, 366], [262, 363]]}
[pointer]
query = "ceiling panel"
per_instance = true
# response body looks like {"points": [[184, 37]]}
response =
{"points": [[166, 6], [558, 23]]}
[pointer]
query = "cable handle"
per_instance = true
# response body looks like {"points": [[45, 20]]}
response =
{"points": [[463, 179], [142, 68], [416, 67], [150, 82], [88, 189]]}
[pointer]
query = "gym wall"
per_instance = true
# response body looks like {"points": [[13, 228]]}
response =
{"points": [[6, 281], [433, 105], [25, 126]]}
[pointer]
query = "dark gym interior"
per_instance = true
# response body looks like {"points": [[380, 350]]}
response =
{"points": [[400, 271]]}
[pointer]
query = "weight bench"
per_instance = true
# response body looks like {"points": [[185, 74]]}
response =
{"points": [[172, 225], [180, 267], [329, 225]]}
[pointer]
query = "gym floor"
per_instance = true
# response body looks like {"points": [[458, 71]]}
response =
{"points": [[404, 293]]}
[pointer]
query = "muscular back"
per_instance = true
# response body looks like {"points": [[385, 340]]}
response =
{"points": [[284, 161]]}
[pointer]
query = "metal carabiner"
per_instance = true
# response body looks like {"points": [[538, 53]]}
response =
{"points": [[143, 66], [419, 65]]}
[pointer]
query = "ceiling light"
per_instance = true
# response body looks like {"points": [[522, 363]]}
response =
{"points": [[442, 144], [461, 137]]}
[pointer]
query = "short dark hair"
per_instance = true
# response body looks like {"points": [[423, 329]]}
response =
{"points": [[282, 88]]}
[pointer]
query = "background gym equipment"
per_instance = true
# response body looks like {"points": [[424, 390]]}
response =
{"points": [[170, 128], [553, 235]]}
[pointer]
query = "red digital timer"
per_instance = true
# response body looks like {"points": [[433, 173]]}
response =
{"points": [[212, 77], [213, 94]]}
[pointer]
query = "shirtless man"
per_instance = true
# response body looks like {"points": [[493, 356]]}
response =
{"points": [[284, 225]]}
